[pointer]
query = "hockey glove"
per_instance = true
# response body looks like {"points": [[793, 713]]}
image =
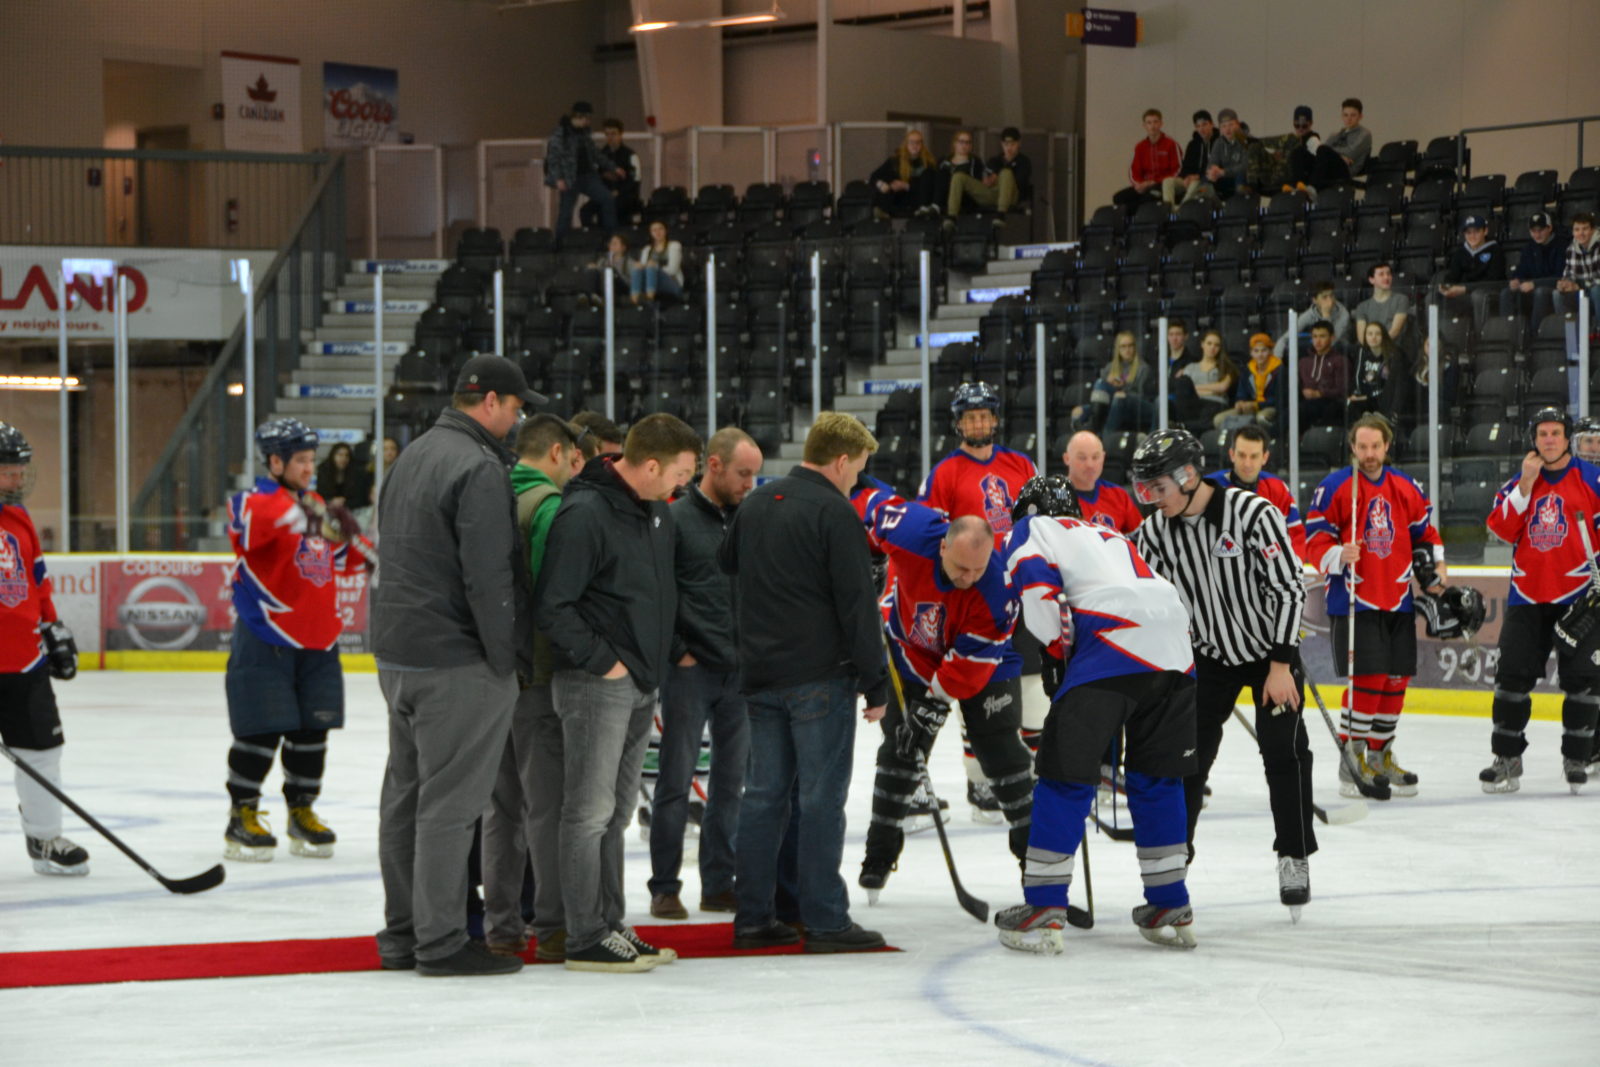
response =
{"points": [[922, 719], [60, 649], [1051, 672]]}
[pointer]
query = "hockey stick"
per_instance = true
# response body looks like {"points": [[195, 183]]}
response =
{"points": [[1082, 919], [198, 884], [1379, 789], [1113, 829], [1340, 816]]}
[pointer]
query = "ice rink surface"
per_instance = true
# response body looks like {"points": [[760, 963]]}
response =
{"points": [[1453, 928]]}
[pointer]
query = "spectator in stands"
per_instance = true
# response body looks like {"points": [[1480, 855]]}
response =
{"points": [[1260, 392], [619, 170], [960, 161], [907, 183], [572, 166], [1533, 280], [1583, 266], [1325, 307], [1191, 180], [1407, 397], [1476, 268], [613, 259], [1292, 155], [339, 480], [1230, 156], [1324, 379], [1389, 309], [1155, 159], [1125, 373], [1344, 155], [1377, 363], [659, 268], [1010, 179], [598, 435], [1180, 352], [1207, 383]]}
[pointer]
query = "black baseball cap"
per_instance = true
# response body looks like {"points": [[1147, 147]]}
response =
{"points": [[1474, 222], [495, 374], [1302, 112], [582, 107], [1539, 220]]}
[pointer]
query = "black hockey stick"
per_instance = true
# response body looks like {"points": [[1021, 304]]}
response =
{"points": [[198, 884], [1379, 789], [1084, 920], [1340, 816], [1113, 829]]}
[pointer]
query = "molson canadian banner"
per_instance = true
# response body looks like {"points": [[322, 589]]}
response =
{"points": [[359, 105], [260, 103]]}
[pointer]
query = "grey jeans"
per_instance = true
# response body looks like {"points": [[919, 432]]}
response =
{"points": [[523, 822], [605, 727], [447, 728]]}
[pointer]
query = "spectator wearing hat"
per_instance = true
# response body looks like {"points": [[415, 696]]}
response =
{"points": [[1155, 159], [1476, 268], [1261, 389], [1582, 271], [1295, 154], [1532, 289], [573, 165], [451, 630], [1230, 156], [1191, 180], [1010, 178]]}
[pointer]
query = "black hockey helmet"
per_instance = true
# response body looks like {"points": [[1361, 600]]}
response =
{"points": [[1549, 413], [1046, 494], [1458, 612], [283, 438], [14, 447], [1166, 453]]}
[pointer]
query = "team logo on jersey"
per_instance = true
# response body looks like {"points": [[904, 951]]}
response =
{"points": [[1378, 537], [1226, 547], [1105, 520], [996, 502], [1549, 526], [927, 628], [314, 559], [13, 571]]}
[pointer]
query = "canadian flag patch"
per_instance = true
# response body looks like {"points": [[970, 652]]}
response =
{"points": [[1270, 552]]}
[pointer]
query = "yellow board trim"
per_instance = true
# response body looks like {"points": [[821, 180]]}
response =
{"points": [[1465, 703], [140, 660]]}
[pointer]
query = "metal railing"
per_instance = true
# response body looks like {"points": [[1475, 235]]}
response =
{"points": [[1578, 121], [182, 499], [152, 198]]}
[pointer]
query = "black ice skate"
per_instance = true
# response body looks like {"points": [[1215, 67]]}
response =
{"points": [[1030, 929], [1504, 775], [307, 834], [919, 816], [57, 855], [1294, 884], [1167, 927], [874, 876], [247, 837], [985, 808], [1576, 773]]}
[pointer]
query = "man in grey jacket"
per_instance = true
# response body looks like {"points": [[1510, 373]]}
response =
{"points": [[703, 687], [1230, 156], [451, 630]]}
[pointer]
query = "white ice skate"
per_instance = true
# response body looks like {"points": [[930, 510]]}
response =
{"points": [[1167, 927], [1030, 929]]}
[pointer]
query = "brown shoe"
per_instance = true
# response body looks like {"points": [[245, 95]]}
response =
{"points": [[512, 947], [719, 902], [552, 949], [667, 906]]}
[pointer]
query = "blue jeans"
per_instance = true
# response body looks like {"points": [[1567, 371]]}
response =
{"points": [[802, 739], [691, 697], [591, 186], [652, 280]]}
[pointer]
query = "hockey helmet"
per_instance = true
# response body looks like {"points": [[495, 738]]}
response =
{"points": [[283, 438], [1549, 413], [1046, 494], [16, 452], [974, 396], [1165, 453], [1458, 612], [1586, 438]]}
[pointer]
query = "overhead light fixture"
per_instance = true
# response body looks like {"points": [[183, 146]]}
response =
{"points": [[773, 15], [39, 383], [236, 389]]}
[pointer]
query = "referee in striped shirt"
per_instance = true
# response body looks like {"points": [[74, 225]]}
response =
{"points": [[1228, 552]]}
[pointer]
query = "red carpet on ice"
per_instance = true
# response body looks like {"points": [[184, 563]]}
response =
{"points": [[249, 959]]}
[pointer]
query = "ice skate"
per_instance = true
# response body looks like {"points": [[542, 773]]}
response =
{"points": [[308, 836], [1348, 786], [1294, 884], [644, 823], [1576, 774], [247, 837], [1504, 775], [57, 855], [985, 808], [1402, 783], [1030, 929], [874, 876], [919, 816], [1167, 927]]}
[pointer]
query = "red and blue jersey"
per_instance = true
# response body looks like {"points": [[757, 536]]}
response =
{"points": [[1276, 492], [960, 484], [954, 641], [1110, 506], [1394, 517], [284, 577], [1548, 561], [24, 592], [1089, 597]]}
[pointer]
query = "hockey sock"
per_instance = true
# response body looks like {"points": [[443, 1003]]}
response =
{"points": [[1059, 809], [1388, 716], [249, 760], [969, 762], [41, 811], [1511, 712], [892, 788], [1160, 835], [304, 754], [1578, 715], [1362, 700], [1034, 709]]}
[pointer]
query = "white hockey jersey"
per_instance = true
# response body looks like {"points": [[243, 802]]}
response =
{"points": [[1121, 616]]}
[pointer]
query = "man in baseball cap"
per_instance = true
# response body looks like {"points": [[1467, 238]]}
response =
{"points": [[1533, 279], [484, 374], [1473, 265]]}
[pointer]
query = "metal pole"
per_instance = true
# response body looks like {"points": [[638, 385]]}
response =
{"points": [[120, 377], [925, 269], [499, 312], [483, 185], [816, 337], [64, 543], [1165, 369], [372, 202], [247, 287], [438, 207], [1293, 404], [610, 277], [1043, 446], [694, 161], [377, 379], [1585, 316], [711, 345], [1433, 402]]}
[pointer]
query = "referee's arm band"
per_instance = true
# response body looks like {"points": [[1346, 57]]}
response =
{"points": [[1283, 653]]}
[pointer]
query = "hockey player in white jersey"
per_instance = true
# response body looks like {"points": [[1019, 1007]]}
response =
{"points": [[1118, 657]]}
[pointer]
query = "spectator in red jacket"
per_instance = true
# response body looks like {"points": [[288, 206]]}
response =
{"points": [[1155, 159]]}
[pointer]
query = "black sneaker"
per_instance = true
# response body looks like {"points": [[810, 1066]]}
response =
{"points": [[398, 963], [851, 939], [645, 949], [769, 936], [612, 953], [470, 960]]}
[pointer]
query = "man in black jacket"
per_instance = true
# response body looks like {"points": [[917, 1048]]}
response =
{"points": [[1533, 279], [703, 686], [1476, 269], [451, 629], [607, 600], [810, 639]]}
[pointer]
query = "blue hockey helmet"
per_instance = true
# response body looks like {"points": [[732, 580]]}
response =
{"points": [[283, 438], [974, 396]]}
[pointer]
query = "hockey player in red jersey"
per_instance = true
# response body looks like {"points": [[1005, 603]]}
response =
{"points": [[1100, 502], [284, 681], [1248, 455], [1393, 517], [35, 646], [1538, 514]]}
